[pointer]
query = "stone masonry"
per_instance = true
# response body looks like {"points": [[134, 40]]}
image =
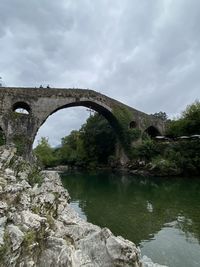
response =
{"points": [[40, 103]]}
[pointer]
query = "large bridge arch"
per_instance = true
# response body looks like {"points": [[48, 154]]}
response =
{"points": [[40, 103], [96, 106]]}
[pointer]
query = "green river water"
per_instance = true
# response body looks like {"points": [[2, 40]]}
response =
{"points": [[160, 215]]}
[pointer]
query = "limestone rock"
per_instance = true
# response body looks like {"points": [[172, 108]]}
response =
{"points": [[16, 236], [32, 220], [104, 249], [3, 207], [41, 229], [2, 229]]}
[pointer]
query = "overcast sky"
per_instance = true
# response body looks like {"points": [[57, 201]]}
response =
{"points": [[145, 53]]}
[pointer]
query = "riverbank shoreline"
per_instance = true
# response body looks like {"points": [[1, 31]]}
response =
{"points": [[39, 228], [142, 172]]}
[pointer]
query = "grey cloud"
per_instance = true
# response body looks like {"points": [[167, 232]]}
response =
{"points": [[143, 53]]}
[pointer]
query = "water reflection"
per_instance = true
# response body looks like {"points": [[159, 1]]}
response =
{"points": [[160, 215], [170, 247]]}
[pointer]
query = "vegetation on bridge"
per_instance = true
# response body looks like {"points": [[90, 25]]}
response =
{"points": [[126, 134]]}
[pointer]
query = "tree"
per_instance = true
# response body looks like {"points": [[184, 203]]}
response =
{"points": [[188, 123], [99, 139], [44, 152], [71, 151], [192, 118], [161, 115], [91, 145]]}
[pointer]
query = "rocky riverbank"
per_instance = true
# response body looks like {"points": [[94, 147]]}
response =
{"points": [[39, 228]]}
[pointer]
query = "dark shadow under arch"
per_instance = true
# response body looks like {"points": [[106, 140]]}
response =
{"points": [[21, 107], [152, 131], [133, 124]]}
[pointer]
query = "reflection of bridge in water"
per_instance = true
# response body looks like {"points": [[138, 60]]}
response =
{"points": [[40, 103]]}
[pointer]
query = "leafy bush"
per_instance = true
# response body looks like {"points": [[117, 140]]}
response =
{"points": [[165, 166], [188, 123], [146, 150], [44, 153]]}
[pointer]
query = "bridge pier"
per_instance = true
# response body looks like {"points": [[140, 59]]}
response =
{"points": [[20, 131], [120, 154]]}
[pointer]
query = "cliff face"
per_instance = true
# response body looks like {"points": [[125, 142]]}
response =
{"points": [[39, 228]]}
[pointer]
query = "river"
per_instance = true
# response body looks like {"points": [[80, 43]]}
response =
{"points": [[160, 215]]}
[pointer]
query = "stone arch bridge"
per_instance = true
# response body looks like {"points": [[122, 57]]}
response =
{"points": [[20, 129]]}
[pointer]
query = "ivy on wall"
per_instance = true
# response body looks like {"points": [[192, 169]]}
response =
{"points": [[126, 134]]}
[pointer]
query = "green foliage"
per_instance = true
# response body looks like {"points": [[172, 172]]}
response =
{"points": [[164, 166], [170, 158], [160, 115], [189, 122], [186, 154], [19, 143], [134, 134], [88, 147], [44, 153], [91, 145], [35, 236], [126, 135], [192, 116], [72, 151], [98, 139], [123, 115], [147, 150], [192, 111], [29, 238]]}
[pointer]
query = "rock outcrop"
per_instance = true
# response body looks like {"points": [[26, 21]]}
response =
{"points": [[39, 228]]}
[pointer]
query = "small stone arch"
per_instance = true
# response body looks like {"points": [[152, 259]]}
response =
{"points": [[152, 131], [22, 108], [132, 124]]}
